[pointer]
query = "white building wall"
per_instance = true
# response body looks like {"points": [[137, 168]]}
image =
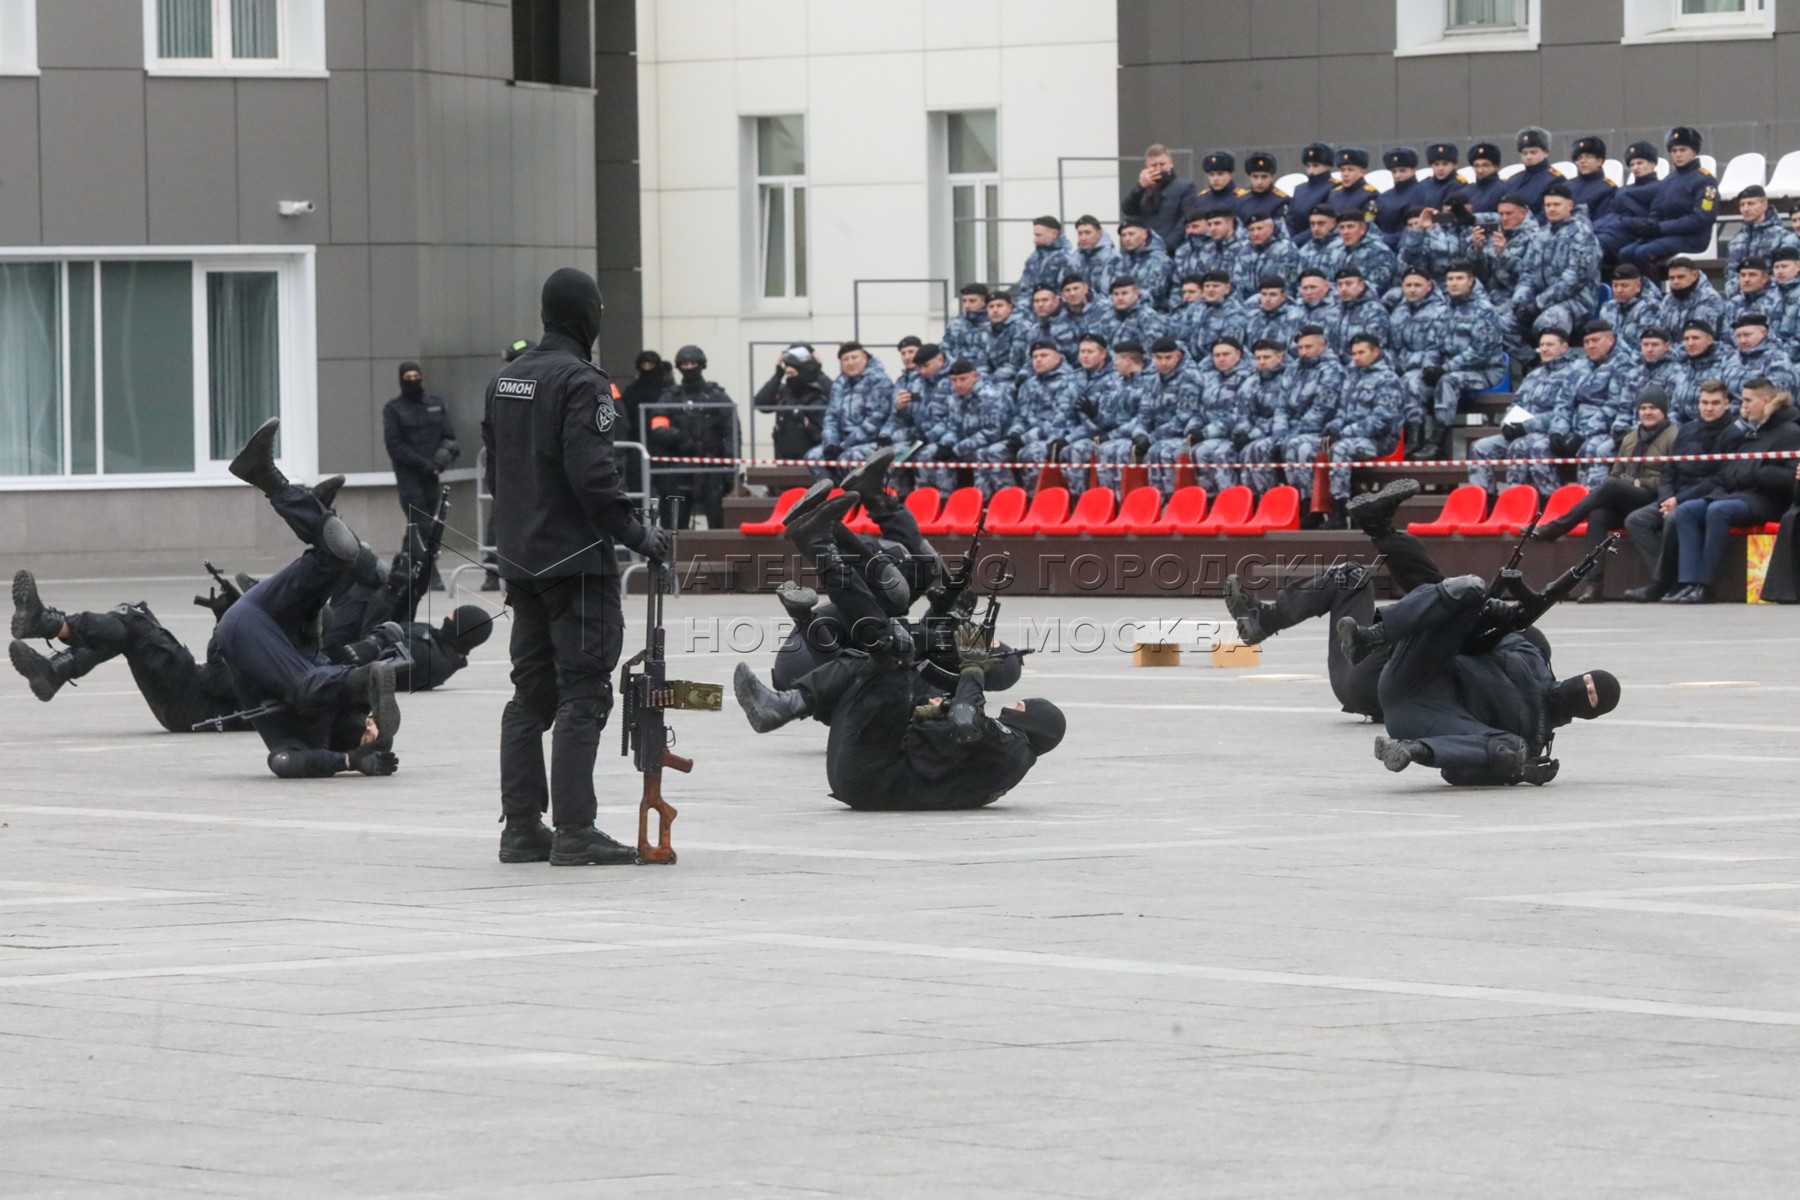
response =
{"points": [[866, 75]]}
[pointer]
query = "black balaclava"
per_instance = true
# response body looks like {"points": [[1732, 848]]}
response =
{"points": [[571, 307], [1042, 723], [649, 363], [1569, 698], [467, 627], [693, 379], [412, 389]]}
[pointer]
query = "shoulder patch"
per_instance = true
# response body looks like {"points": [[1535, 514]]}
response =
{"points": [[1557, 173], [1282, 194], [605, 416], [516, 389]]}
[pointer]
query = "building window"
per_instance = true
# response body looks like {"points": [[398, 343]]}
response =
{"points": [[18, 37], [146, 367], [1691, 20], [552, 42], [972, 173], [781, 208], [234, 37], [1464, 26]]}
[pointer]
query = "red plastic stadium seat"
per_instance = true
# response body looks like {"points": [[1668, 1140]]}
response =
{"points": [[1512, 513], [1279, 509], [776, 521], [1006, 508], [1186, 511], [1766, 527], [923, 504], [1049, 507], [1233, 508], [959, 514], [1093, 512], [1464, 506], [1139, 513], [1561, 501]]}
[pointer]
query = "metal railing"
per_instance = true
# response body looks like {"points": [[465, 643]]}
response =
{"points": [[1062, 199], [856, 287]]}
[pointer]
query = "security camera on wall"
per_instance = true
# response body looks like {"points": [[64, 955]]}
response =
{"points": [[296, 208]]}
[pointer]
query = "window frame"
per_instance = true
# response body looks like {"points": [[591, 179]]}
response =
{"points": [[298, 372], [1462, 31], [18, 37], [754, 244], [945, 197], [300, 28], [1649, 22], [1422, 27]]}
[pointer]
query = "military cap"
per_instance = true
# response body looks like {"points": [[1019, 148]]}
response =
{"points": [[1590, 145], [1122, 281], [1317, 154], [1484, 151], [1751, 318], [1129, 346], [1561, 189], [1558, 330], [1228, 340], [1163, 345], [973, 289], [1533, 138], [1218, 161], [1659, 332], [1703, 326], [1442, 152], [1000, 294], [1684, 135], [1755, 262], [1643, 150], [1514, 199], [962, 366], [927, 352], [1196, 212], [1349, 273], [1312, 271], [1353, 156], [1254, 217], [1400, 156], [1271, 281], [1216, 276], [1045, 286], [1355, 214], [1626, 271], [909, 340], [1421, 272], [1047, 221], [1596, 326], [1221, 210], [1260, 163], [1786, 254], [1132, 223], [1044, 344], [1322, 209], [1088, 219]]}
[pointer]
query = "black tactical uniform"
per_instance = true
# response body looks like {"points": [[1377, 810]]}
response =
{"points": [[558, 509], [420, 443], [695, 418]]}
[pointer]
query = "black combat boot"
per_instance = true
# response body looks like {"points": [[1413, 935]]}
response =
{"points": [[1360, 641], [815, 495], [1373, 512], [373, 684], [1248, 611], [1648, 593], [798, 601], [766, 708], [816, 526], [1412, 433], [327, 489], [1397, 754], [45, 674], [585, 846], [255, 463], [1540, 772], [1426, 447], [380, 642], [869, 482], [32, 618], [525, 840]]}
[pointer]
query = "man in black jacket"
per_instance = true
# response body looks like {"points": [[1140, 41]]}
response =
{"points": [[692, 418], [558, 509], [884, 752], [1160, 197], [797, 394], [420, 443], [1746, 491], [1716, 432]]}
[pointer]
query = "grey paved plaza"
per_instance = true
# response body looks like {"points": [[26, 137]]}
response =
{"points": [[1209, 948]]}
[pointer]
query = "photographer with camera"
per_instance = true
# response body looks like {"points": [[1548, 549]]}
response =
{"points": [[1160, 197]]}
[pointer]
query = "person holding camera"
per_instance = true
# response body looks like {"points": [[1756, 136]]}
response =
{"points": [[1161, 198]]}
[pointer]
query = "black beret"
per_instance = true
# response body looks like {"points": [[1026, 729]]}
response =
{"points": [[909, 340], [1000, 294], [1421, 272], [1043, 286], [1097, 338], [1255, 217], [1271, 281], [1558, 330], [1559, 189], [1682, 261], [1754, 263], [1261, 162], [1786, 254], [1316, 154], [1441, 152], [1751, 318], [846, 347], [1461, 266], [962, 366], [1196, 212], [1643, 150], [1514, 199], [1626, 271], [1164, 344], [1216, 276], [1132, 223], [1684, 135], [1590, 145], [1401, 156], [1703, 326], [1322, 209], [1411, 211], [1353, 156], [1121, 281], [1045, 344], [1047, 221], [1310, 331], [1354, 214], [1533, 138], [927, 352], [1218, 161], [1312, 273], [1221, 210], [1596, 326], [1484, 150], [1349, 273], [1659, 332], [1129, 346], [1228, 340], [1753, 192]]}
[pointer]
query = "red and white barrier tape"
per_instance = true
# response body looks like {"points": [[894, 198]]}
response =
{"points": [[1373, 464]]}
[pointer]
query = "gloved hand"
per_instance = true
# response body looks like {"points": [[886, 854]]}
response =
{"points": [[654, 545], [973, 650], [1564, 445], [444, 456], [1140, 446], [1240, 438], [1526, 315], [1014, 444], [1512, 433], [1088, 407], [946, 452], [1053, 452], [1646, 227], [833, 452], [1431, 375], [884, 440], [371, 761], [930, 712]]}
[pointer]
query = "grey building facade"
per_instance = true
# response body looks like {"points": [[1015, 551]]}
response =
{"points": [[187, 244], [1277, 74]]}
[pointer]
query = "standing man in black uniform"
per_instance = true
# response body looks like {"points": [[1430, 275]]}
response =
{"points": [[558, 509], [420, 443], [695, 418]]}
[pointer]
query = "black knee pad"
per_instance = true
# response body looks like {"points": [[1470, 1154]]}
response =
{"points": [[285, 765], [1507, 755]]}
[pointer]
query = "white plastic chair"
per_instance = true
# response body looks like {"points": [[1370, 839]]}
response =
{"points": [[1567, 169], [1466, 174], [1740, 173], [1381, 179], [1711, 164], [1507, 172], [1615, 171], [1662, 168], [1784, 180], [1291, 183]]}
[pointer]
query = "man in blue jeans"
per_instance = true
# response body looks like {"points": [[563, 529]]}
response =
{"points": [[1746, 491]]}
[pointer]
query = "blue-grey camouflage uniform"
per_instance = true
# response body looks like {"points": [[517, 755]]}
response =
{"points": [[1768, 302], [1268, 402], [1367, 423], [1416, 337], [1544, 391], [1667, 373], [1788, 333], [1474, 355], [1101, 408], [1379, 265], [1006, 354], [1701, 303], [1561, 277], [926, 412], [1042, 410], [1058, 328], [1630, 318], [1135, 404], [1313, 407], [1319, 254], [1198, 326], [1139, 323], [1198, 255], [976, 430], [1597, 410], [1365, 314], [1213, 428], [1507, 267], [966, 336], [1089, 318], [1765, 358], [1278, 325], [1277, 256], [1099, 266], [1760, 240], [1152, 268], [1318, 314], [1170, 403], [1719, 362], [1045, 264], [1432, 250], [856, 414]]}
